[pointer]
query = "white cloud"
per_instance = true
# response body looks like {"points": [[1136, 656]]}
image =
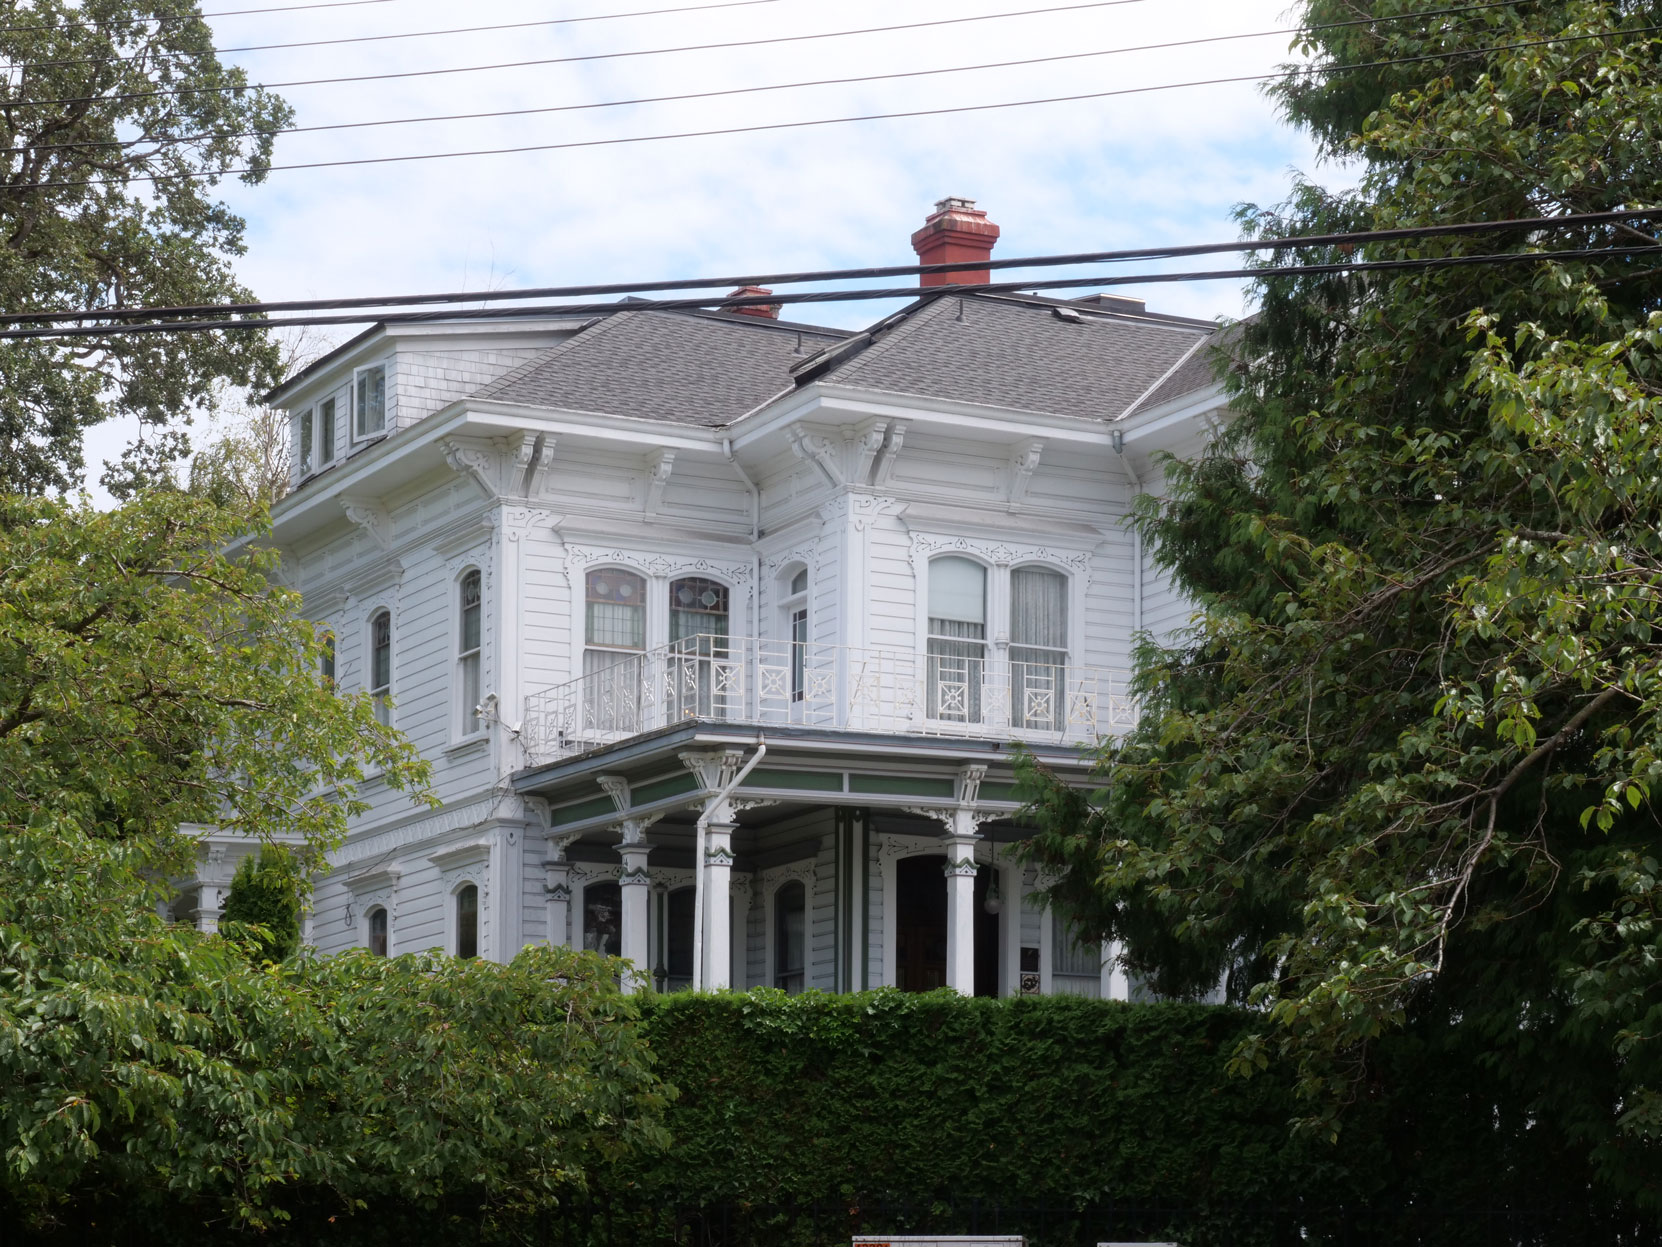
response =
{"points": [[1126, 171]]}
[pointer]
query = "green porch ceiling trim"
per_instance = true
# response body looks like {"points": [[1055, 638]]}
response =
{"points": [[592, 808], [998, 792], [901, 785], [804, 781], [661, 789]]}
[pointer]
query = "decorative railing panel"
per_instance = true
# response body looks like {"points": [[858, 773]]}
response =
{"points": [[764, 683]]}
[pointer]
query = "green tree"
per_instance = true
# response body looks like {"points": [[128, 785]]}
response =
{"points": [[117, 120], [153, 1077], [1399, 775], [265, 895]]}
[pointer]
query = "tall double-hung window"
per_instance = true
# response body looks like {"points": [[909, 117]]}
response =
{"points": [[369, 401], [380, 664], [702, 681], [956, 654], [614, 638], [1038, 648], [467, 652]]}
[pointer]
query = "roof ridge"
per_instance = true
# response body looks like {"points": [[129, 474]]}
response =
{"points": [[587, 333], [875, 351]]}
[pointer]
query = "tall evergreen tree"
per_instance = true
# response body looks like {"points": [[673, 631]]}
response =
{"points": [[1401, 772], [265, 902]]}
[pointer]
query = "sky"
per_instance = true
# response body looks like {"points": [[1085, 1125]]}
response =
{"points": [[1130, 170]]}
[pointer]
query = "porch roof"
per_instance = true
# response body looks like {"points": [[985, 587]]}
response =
{"points": [[803, 765]]}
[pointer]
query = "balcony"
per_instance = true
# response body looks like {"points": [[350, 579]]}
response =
{"points": [[772, 683]]}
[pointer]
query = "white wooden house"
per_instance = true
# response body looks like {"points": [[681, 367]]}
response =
{"points": [[654, 588]]}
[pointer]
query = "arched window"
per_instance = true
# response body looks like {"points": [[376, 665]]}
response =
{"points": [[380, 664], [698, 643], [1038, 648], [790, 936], [698, 609], [793, 608], [467, 652], [957, 639], [614, 635], [378, 931], [326, 662], [467, 921]]}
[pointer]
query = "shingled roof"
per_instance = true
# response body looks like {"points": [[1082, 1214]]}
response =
{"points": [[698, 369], [1017, 352]]}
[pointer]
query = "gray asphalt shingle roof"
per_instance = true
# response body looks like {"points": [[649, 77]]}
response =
{"points": [[996, 351], [685, 369], [1019, 354]]}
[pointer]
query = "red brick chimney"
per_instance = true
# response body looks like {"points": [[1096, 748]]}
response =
{"points": [[767, 311], [956, 230]]}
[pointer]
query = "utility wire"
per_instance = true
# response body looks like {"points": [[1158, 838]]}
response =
{"points": [[1304, 72], [777, 86], [415, 34], [193, 17], [570, 60], [843, 296], [1297, 242]]}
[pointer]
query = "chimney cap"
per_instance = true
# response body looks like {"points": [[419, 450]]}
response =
{"points": [[953, 201]]}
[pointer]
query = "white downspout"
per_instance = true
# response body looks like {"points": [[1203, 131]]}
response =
{"points": [[1117, 436], [712, 804]]}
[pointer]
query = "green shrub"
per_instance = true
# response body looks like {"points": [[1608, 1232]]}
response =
{"points": [[262, 911]]}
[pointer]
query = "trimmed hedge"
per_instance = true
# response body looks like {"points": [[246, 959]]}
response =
{"points": [[886, 1097]]}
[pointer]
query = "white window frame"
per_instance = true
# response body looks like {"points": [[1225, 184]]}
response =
{"points": [[1074, 565], [975, 708], [796, 606], [453, 919], [774, 951], [359, 434], [305, 437], [384, 707], [325, 454], [328, 667], [465, 724]]}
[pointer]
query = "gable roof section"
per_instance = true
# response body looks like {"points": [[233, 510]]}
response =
{"points": [[1022, 353], [696, 369]]}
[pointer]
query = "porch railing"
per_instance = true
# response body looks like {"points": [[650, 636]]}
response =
{"points": [[744, 680]]}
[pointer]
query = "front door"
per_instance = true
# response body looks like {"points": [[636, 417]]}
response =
{"points": [[920, 924]]}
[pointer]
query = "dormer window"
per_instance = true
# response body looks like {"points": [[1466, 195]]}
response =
{"points": [[325, 433], [369, 402], [306, 443]]}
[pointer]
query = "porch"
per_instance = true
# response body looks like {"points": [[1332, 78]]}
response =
{"points": [[830, 859]]}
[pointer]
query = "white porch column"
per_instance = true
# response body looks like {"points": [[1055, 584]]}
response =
{"points": [[718, 913], [960, 913], [960, 880], [635, 889]]}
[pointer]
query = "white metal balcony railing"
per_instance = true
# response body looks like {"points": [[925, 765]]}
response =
{"points": [[777, 683]]}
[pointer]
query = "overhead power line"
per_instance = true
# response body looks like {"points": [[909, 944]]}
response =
{"points": [[422, 34], [175, 92], [192, 17], [778, 86], [1076, 97], [842, 296], [1300, 242]]}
